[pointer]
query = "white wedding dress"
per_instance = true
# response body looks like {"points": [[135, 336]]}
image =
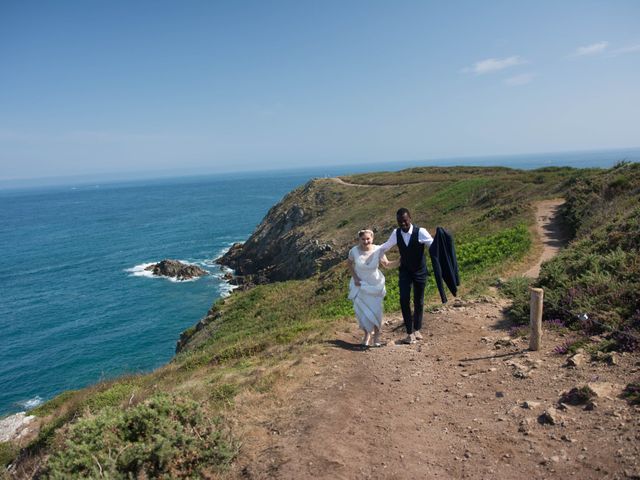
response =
{"points": [[367, 298]]}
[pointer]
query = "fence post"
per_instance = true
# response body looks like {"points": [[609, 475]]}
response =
{"points": [[535, 339]]}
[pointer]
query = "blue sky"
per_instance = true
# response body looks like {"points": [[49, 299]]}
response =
{"points": [[95, 86]]}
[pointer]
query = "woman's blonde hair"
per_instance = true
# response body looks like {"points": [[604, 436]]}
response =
{"points": [[362, 232]]}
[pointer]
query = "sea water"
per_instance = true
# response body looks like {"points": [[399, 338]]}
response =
{"points": [[77, 306]]}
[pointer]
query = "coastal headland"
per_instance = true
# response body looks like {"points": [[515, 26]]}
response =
{"points": [[271, 383]]}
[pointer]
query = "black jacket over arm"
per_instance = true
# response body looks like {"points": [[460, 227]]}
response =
{"points": [[445, 264]]}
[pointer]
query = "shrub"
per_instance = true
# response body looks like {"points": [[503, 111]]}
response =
{"points": [[166, 437], [578, 396], [111, 397], [632, 393], [562, 348], [53, 404], [598, 274], [8, 452], [517, 289], [519, 331], [570, 346], [224, 393]]}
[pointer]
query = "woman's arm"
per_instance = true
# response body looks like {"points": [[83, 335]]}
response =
{"points": [[356, 278], [384, 261]]}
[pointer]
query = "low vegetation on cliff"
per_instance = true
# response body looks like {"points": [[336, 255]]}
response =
{"points": [[173, 422], [592, 286]]}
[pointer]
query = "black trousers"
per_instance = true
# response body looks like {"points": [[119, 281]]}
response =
{"points": [[407, 280]]}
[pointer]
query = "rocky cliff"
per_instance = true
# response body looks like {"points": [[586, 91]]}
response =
{"points": [[287, 244]]}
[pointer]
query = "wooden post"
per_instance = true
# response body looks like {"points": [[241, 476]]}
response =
{"points": [[535, 339]]}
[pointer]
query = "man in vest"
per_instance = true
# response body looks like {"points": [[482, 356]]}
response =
{"points": [[411, 241]]}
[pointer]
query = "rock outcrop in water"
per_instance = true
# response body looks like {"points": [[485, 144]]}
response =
{"points": [[176, 269]]}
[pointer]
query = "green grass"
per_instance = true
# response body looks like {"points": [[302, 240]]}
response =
{"points": [[507, 245], [52, 405], [457, 195], [8, 452]]}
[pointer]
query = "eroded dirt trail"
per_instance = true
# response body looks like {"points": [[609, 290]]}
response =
{"points": [[449, 407], [466, 402], [550, 230]]}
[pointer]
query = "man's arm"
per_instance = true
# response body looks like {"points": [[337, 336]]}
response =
{"points": [[424, 237], [392, 242]]}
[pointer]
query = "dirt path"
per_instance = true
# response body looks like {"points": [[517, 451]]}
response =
{"points": [[452, 406], [550, 230], [342, 182], [449, 407]]}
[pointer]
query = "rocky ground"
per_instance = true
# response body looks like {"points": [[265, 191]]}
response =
{"points": [[467, 402], [15, 427]]}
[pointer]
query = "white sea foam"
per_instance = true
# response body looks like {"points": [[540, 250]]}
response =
{"points": [[208, 263], [31, 403], [183, 280], [222, 272], [226, 288], [139, 270], [224, 250]]}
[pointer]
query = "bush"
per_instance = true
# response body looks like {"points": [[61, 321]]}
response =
{"points": [[578, 396], [517, 289], [53, 404], [632, 393], [166, 437], [8, 452], [598, 274]]}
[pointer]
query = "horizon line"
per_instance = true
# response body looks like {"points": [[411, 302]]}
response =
{"points": [[137, 175]]}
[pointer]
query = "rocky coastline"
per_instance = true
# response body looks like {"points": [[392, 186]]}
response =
{"points": [[14, 427], [285, 245]]}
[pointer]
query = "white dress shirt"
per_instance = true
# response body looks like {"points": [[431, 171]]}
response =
{"points": [[423, 237]]}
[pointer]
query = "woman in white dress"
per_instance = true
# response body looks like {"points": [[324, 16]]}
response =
{"points": [[366, 288]]}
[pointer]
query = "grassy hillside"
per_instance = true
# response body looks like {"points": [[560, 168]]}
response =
{"points": [[313, 227], [599, 275], [173, 422]]}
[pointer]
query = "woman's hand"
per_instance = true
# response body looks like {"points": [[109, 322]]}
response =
{"points": [[384, 261], [354, 275]]}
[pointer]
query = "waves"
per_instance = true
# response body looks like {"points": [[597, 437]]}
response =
{"points": [[30, 403], [140, 270]]}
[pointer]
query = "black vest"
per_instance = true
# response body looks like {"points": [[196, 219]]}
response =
{"points": [[412, 257]]}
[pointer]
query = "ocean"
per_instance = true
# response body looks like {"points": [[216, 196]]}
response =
{"points": [[76, 306]]}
